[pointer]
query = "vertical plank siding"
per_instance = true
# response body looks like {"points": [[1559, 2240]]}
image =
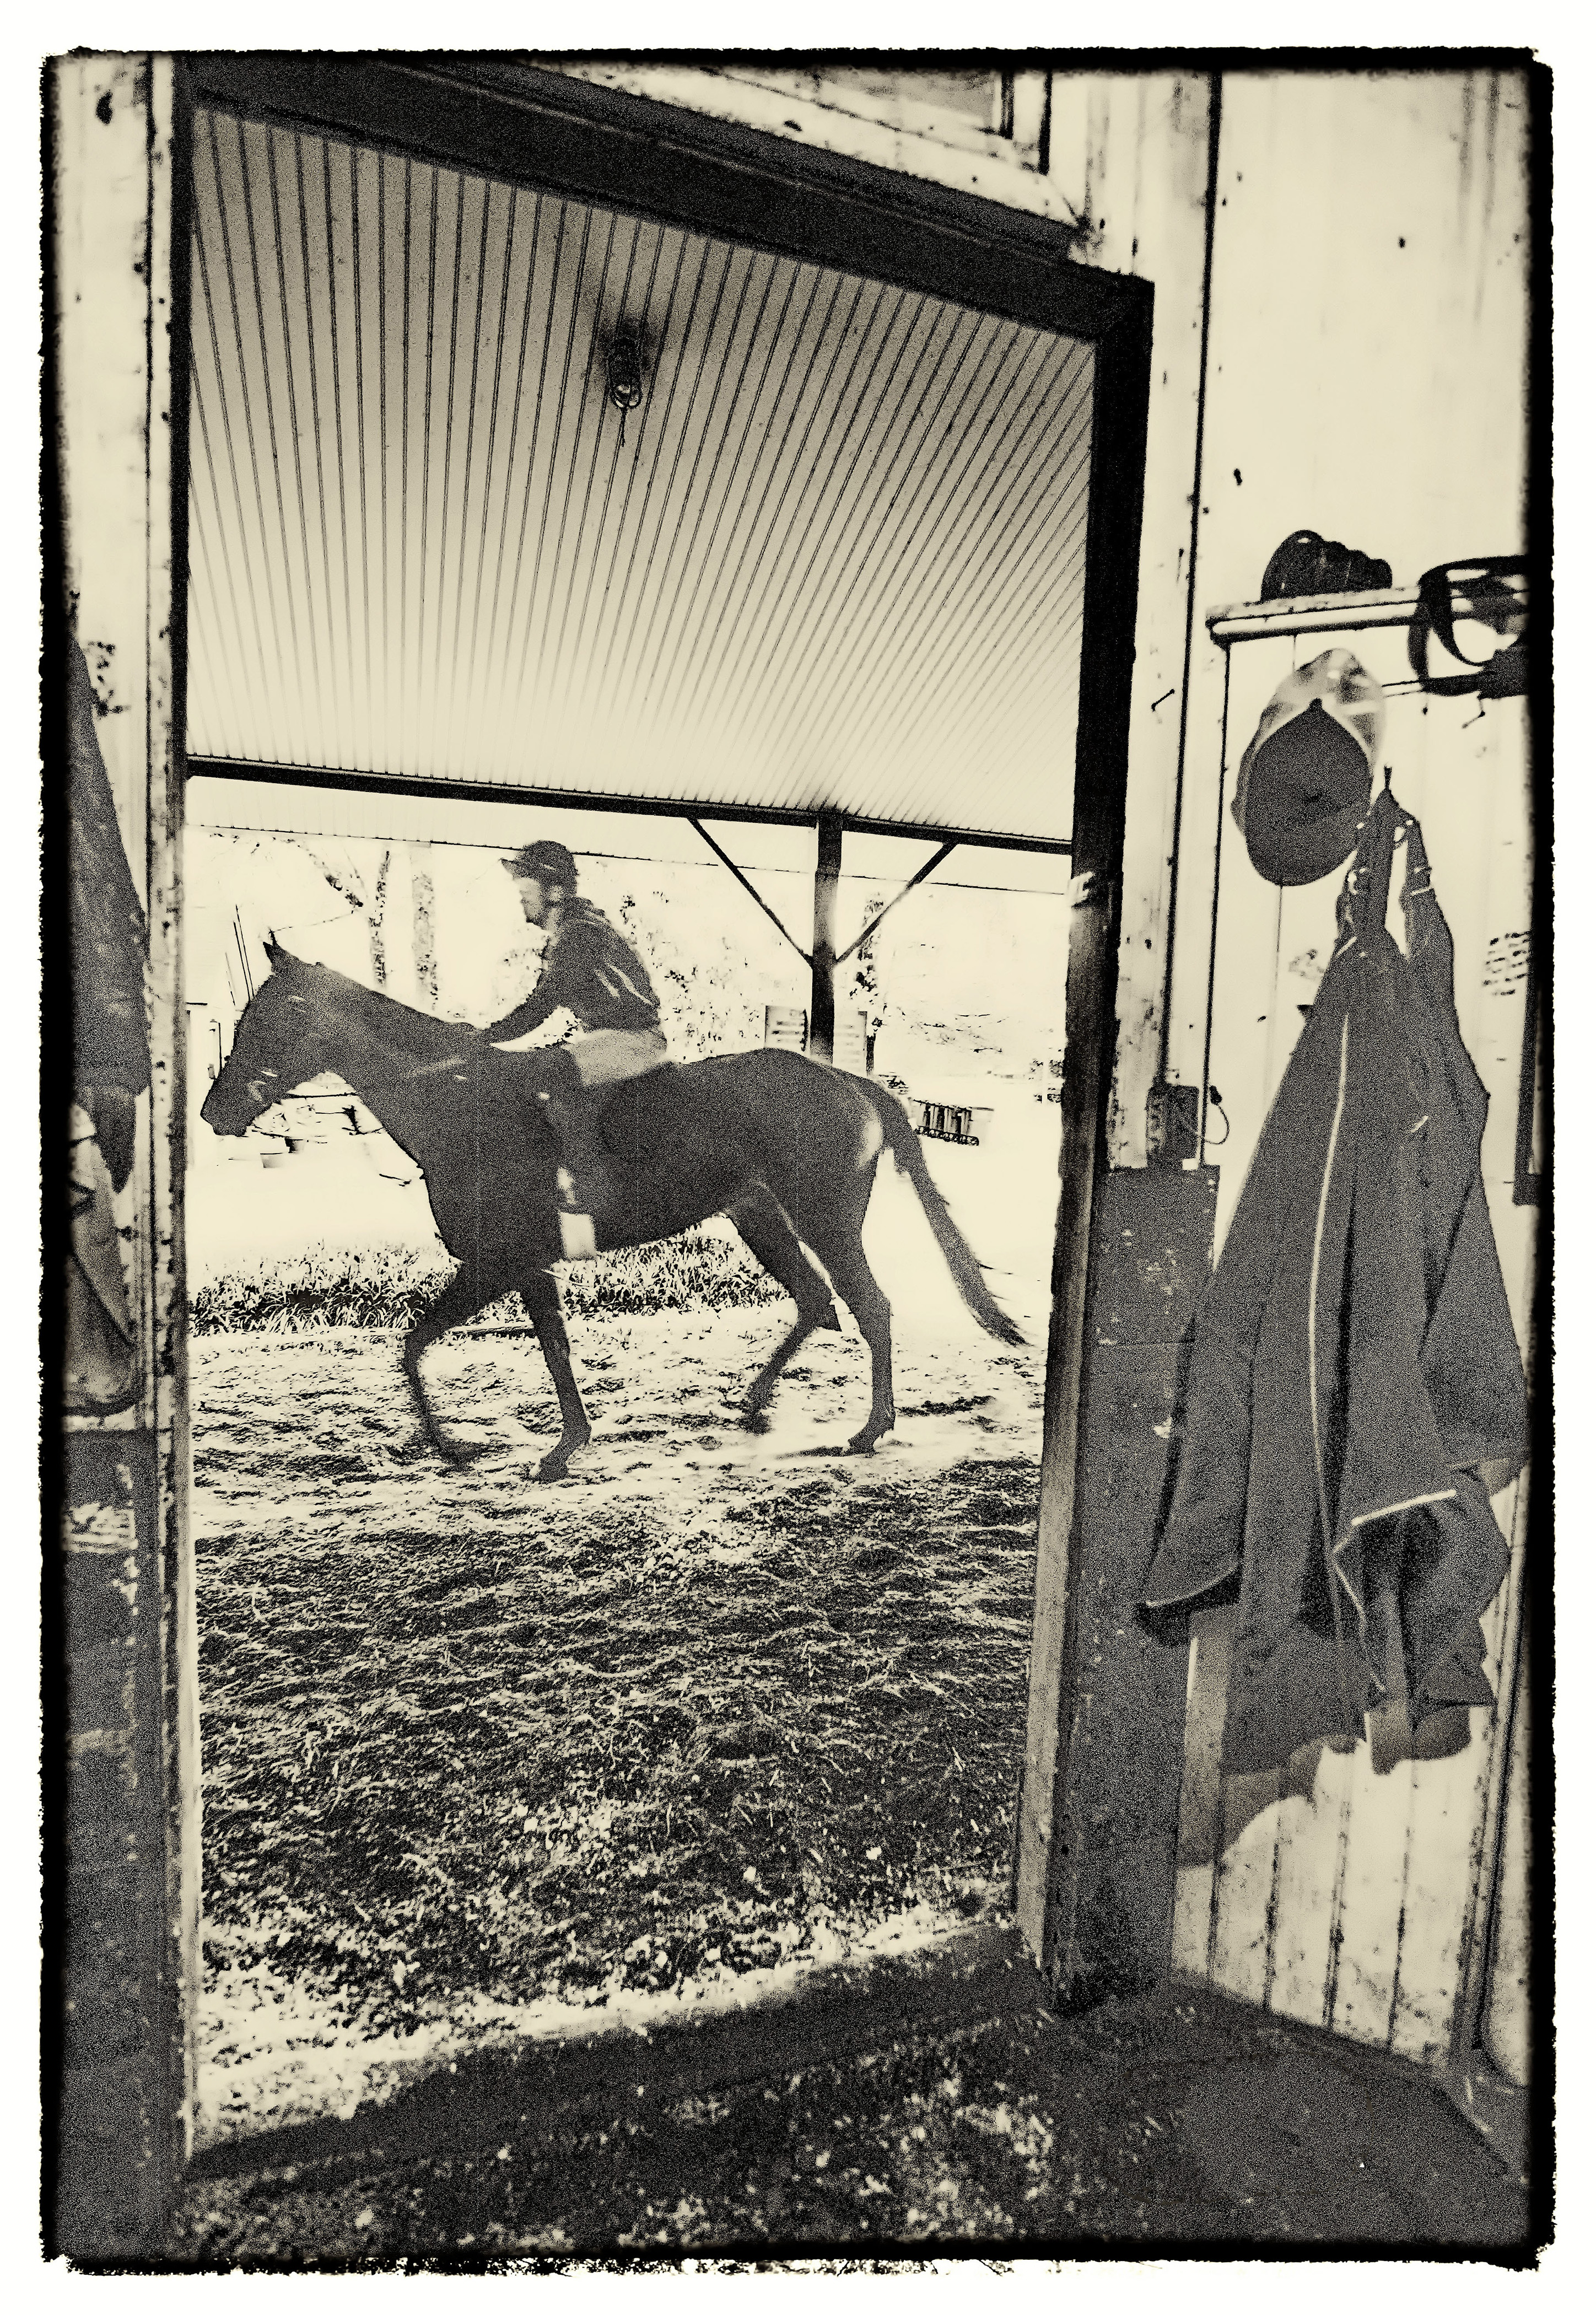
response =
{"points": [[1361, 354], [1505, 2025], [1131, 152], [1328, 1891]]}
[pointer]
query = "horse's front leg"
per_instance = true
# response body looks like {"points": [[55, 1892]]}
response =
{"points": [[541, 1296], [460, 1300], [762, 1389]]}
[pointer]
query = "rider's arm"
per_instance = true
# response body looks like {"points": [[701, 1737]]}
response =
{"points": [[531, 1013], [566, 975]]}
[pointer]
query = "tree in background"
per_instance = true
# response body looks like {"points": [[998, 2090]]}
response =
{"points": [[709, 985], [423, 940], [370, 892], [368, 900], [863, 992]]}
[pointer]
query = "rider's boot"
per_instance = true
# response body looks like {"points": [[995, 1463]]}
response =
{"points": [[569, 1110]]}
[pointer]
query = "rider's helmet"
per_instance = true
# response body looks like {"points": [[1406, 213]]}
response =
{"points": [[548, 862]]}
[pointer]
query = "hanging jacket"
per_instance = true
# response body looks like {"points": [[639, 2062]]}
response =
{"points": [[593, 972], [110, 1048], [1355, 1393]]}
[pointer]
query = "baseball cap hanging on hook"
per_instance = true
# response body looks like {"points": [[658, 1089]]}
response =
{"points": [[1306, 777]]}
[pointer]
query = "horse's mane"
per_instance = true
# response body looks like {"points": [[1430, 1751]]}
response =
{"points": [[384, 1017]]}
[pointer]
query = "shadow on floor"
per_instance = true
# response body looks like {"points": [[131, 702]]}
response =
{"points": [[927, 2106]]}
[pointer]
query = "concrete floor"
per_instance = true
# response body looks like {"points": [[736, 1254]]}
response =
{"points": [[939, 2106]]}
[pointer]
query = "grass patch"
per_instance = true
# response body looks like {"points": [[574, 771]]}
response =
{"points": [[393, 1286]]}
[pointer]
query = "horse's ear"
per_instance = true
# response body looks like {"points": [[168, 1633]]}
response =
{"points": [[276, 956]]}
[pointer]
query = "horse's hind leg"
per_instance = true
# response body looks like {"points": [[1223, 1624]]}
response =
{"points": [[854, 1279], [769, 1235], [541, 1296]]}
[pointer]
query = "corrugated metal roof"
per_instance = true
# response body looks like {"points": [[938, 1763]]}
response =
{"points": [[837, 560]]}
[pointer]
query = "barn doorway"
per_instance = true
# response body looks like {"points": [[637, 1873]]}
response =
{"points": [[715, 1710], [515, 508]]}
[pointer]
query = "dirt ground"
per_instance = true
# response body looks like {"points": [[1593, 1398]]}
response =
{"points": [[1180, 2122], [483, 1756]]}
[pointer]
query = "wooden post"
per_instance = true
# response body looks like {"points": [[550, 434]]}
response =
{"points": [[1134, 152], [1100, 1914], [1080, 1942], [822, 1009], [123, 1745]]}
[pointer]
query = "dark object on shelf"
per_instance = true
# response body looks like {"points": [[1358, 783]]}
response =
{"points": [[1478, 591], [1307, 565]]}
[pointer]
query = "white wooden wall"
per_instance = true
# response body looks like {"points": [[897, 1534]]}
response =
{"points": [[1326, 1892]]}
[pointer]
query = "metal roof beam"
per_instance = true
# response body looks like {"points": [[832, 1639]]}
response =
{"points": [[503, 792], [749, 888], [919, 877]]}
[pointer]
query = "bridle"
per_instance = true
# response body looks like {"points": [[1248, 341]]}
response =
{"points": [[381, 1084], [449, 1061]]}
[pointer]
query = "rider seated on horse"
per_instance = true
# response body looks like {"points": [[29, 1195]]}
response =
{"points": [[593, 972]]}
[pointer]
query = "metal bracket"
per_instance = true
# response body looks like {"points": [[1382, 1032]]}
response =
{"points": [[1172, 1124]]}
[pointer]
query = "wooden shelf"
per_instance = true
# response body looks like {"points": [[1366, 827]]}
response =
{"points": [[1305, 615]]}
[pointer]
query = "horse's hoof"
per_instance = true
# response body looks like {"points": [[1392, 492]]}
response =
{"points": [[862, 1442], [556, 1463], [754, 1419]]}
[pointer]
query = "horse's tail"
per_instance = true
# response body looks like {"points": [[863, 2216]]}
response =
{"points": [[904, 1143]]}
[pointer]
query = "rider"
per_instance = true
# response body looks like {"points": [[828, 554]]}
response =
{"points": [[591, 972]]}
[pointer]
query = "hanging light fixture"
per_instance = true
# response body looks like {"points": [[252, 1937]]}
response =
{"points": [[624, 367]]}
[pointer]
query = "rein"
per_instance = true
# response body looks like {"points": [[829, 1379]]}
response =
{"points": [[429, 1069], [449, 1061], [388, 1085]]}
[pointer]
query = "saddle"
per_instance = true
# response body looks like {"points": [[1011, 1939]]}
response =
{"points": [[642, 1120]]}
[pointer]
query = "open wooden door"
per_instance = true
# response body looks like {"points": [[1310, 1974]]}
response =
{"points": [[1331, 1892]]}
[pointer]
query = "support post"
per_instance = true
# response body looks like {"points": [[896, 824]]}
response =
{"points": [[822, 1008], [123, 1738], [1046, 1875], [1102, 1912]]}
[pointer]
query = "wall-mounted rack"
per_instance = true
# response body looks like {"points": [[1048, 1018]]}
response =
{"points": [[1307, 614]]}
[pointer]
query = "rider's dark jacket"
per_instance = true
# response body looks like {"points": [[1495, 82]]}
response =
{"points": [[591, 969]]}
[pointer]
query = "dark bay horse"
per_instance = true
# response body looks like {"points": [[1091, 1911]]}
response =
{"points": [[785, 1147]]}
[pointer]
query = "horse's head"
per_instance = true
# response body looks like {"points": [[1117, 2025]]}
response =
{"points": [[279, 1043]]}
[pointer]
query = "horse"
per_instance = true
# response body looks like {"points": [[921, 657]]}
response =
{"points": [[785, 1147]]}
